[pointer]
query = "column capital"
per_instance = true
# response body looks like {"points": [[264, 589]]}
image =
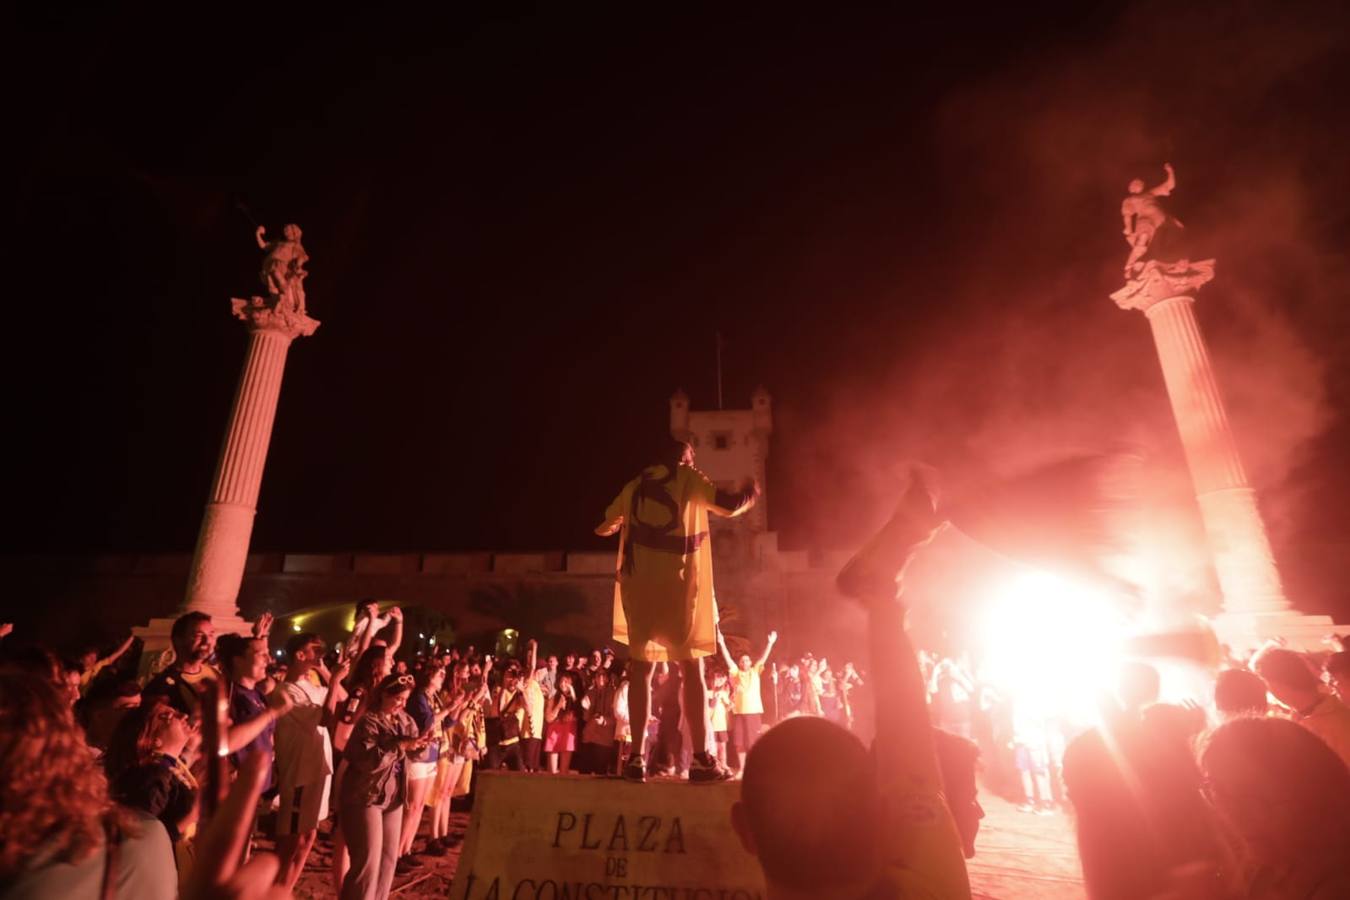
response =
{"points": [[1159, 281], [260, 314]]}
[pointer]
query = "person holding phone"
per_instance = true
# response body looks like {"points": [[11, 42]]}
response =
{"points": [[562, 713], [375, 788]]}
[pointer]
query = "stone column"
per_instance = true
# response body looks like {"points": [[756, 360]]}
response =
{"points": [[227, 525], [1254, 605], [222, 545]]}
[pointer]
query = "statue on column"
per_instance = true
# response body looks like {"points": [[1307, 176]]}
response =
{"points": [[283, 269], [283, 276], [1158, 263], [1145, 219]]}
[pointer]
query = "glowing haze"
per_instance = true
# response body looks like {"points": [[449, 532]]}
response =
{"points": [[1029, 359]]}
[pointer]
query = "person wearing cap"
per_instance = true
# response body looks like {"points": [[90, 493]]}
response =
{"points": [[375, 788], [665, 608]]}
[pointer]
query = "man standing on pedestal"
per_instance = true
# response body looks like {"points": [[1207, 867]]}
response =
{"points": [[665, 608]]}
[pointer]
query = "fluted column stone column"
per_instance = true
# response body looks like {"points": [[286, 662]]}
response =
{"points": [[227, 525], [1254, 603]]}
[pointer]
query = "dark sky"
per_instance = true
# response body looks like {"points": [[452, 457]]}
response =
{"points": [[526, 229]]}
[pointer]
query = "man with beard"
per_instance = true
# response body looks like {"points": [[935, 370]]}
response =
{"points": [[194, 641]]}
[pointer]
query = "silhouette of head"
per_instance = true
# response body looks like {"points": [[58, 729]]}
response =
{"points": [[811, 823]]}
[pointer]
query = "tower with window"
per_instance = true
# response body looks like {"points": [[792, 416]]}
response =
{"points": [[730, 445]]}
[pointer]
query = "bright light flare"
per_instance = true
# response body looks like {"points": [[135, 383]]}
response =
{"points": [[1053, 646]]}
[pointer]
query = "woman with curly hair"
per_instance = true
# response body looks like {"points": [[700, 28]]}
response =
{"points": [[61, 835]]}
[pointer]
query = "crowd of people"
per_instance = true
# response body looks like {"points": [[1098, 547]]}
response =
{"points": [[104, 784], [373, 741], [1022, 745]]}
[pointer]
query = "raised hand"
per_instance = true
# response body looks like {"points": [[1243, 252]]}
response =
{"points": [[342, 667], [280, 702], [216, 873], [263, 627]]}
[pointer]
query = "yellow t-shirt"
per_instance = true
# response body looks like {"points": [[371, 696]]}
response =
{"points": [[718, 702], [664, 605], [747, 700]]}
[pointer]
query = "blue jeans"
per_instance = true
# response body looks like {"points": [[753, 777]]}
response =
{"points": [[372, 839]]}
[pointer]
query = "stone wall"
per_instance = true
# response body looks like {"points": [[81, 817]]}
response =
{"points": [[564, 598]]}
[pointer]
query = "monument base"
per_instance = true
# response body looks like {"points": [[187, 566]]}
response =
{"points": [[1244, 632], [583, 836]]}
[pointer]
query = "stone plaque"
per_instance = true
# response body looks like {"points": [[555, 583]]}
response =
{"points": [[551, 837]]}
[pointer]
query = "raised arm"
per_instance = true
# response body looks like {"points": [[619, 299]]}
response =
{"points": [[531, 657], [396, 618], [262, 244], [733, 503], [278, 704], [768, 648], [1168, 185], [904, 731], [263, 626], [925, 839], [336, 692], [726, 654], [116, 654], [615, 513]]}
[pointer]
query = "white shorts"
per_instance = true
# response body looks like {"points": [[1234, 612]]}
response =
{"points": [[420, 770], [302, 807]]}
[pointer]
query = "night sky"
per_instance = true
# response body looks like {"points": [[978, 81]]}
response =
{"points": [[526, 229]]}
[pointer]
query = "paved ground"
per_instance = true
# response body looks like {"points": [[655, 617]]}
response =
{"points": [[1020, 856], [1023, 855]]}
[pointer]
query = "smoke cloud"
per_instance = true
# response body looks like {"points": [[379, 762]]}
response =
{"points": [[1030, 358]]}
